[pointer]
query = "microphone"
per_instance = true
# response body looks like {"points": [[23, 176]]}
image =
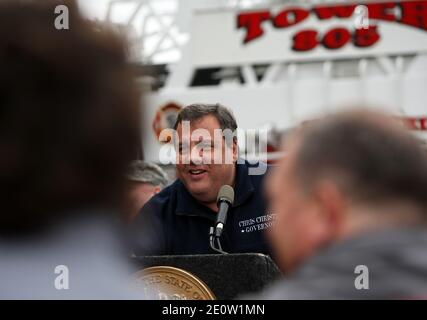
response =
{"points": [[224, 200]]}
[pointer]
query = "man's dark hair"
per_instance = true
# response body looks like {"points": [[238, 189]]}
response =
{"points": [[68, 115], [371, 158], [197, 111]]}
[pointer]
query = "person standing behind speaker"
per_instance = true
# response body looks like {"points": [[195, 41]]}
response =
{"points": [[145, 179], [177, 220]]}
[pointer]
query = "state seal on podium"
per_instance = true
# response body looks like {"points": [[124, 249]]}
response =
{"points": [[170, 283]]}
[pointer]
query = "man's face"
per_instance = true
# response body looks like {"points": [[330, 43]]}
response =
{"points": [[204, 161], [138, 196], [301, 220]]}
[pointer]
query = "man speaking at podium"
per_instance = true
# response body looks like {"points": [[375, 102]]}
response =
{"points": [[178, 220]]}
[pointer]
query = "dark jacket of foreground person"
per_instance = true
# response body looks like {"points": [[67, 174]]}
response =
{"points": [[396, 261]]}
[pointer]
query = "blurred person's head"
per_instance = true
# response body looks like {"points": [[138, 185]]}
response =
{"points": [[68, 116], [347, 174], [203, 165], [145, 179]]}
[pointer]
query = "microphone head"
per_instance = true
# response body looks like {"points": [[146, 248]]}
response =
{"points": [[226, 193]]}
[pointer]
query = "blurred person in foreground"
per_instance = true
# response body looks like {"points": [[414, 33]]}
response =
{"points": [[350, 198], [145, 179], [67, 133]]}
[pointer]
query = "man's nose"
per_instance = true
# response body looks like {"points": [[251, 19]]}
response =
{"points": [[184, 158], [196, 156]]}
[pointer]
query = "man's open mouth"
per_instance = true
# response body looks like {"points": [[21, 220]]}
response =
{"points": [[196, 172]]}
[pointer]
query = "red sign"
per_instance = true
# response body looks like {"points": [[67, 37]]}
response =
{"points": [[410, 13], [415, 123]]}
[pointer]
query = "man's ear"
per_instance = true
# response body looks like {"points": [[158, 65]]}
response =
{"points": [[332, 203], [156, 190]]}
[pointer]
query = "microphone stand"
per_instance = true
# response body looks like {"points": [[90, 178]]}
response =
{"points": [[212, 237]]}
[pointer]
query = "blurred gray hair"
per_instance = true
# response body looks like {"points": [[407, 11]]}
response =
{"points": [[370, 156], [147, 172]]}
